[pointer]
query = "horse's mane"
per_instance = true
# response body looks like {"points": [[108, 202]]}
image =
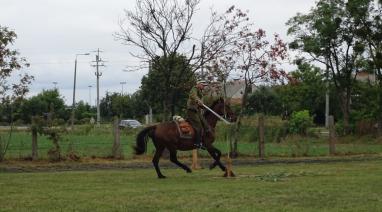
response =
{"points": [[214, 103]]}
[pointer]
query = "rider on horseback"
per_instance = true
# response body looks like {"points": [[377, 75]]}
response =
{"points": [[194, 112]]}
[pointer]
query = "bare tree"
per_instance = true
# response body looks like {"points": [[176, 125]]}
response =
{"points": [[163, 29]]}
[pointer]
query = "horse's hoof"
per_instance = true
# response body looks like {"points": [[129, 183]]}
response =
{"points": [[189, 171], [231, 174], [161, 177]]}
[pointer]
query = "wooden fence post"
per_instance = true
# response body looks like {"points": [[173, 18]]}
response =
{"points": [[332, 136], [261, 137], [34, 139], [117, 150], [195, 163]]}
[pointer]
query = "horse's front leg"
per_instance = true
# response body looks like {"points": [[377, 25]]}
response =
{"points": [[216, 156]]}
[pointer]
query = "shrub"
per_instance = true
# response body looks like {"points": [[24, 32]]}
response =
{"points": [[300, 122], [54, 154]]}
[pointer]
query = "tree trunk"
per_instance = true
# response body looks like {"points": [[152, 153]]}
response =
{"points": [[234, 152], [165, 110], [237, 128], [345, 108], [34, 144], [117, 149], [261, 137], [380, 106]]}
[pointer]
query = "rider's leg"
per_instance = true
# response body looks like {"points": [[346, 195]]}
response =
{"points": [[205, 124], [198, 136], [194, 119]]}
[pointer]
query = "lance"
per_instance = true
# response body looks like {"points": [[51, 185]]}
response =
{"points": [[217, 115]]}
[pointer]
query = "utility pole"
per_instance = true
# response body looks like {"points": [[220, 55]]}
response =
{"points": [[99, 62], [55, 84], [74, 90]]}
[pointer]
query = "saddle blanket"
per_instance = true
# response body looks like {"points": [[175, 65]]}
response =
{"points": [[184, 128]]}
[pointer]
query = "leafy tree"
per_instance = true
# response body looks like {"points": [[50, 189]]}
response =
{"points": [[305, 91], [13, 81], [124, 106], [264, 100], [365, 106], [371, 32], [43, 103], [106, 106], [160, 89], [84, 111], [328, 35]]}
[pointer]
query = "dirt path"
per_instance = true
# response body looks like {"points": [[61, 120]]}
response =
{"points": [[104, 164]]}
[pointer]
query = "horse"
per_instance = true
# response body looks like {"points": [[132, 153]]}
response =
{"points": [[167, 136]]}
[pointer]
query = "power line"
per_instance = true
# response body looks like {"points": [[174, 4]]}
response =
{"points": [[69, 62]]}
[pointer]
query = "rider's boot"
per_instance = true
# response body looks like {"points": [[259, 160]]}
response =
{"points": [[198, 139]]}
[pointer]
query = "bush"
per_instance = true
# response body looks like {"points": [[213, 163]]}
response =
{"points": [[59, 121], [84, 121], [300, 122]]}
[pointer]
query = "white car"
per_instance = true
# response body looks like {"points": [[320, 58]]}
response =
{"points": [[131, 123]]}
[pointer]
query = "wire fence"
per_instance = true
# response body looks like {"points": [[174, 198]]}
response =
{"points": [[99, 142]]}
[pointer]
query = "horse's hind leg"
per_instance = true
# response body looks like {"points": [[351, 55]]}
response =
{"points": [[157, 155], [174, 159]]}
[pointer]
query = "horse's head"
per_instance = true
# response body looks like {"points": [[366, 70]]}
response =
{"points": [[223, 109]]}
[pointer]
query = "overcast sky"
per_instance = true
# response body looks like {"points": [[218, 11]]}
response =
{"points": [[51, 32]]}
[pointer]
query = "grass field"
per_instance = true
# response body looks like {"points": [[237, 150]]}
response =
{"points": [[350, 186]]}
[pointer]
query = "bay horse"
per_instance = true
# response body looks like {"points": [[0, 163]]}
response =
{"points": [[166, 136]]}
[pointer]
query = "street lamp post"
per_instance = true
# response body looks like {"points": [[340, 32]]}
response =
{"points": [[74, 89], [90, 94], [122, 83]]}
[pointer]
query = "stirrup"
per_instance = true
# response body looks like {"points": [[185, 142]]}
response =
{"points": [[200, 146]]}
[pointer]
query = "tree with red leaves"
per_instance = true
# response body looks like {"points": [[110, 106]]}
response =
{"points": [[253, 58]]}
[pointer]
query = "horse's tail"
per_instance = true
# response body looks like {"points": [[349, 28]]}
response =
{"points": [[142, 137]]}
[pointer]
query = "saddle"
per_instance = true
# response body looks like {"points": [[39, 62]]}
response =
{"points": [[186, 131]]}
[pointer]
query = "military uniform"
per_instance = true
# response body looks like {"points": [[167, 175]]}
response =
{"points": [[194, 113]]}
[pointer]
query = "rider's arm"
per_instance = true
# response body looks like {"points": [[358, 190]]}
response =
{"points": [[194, 95]]}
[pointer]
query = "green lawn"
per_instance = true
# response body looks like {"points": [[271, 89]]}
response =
{"points": [[347, 186]]}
